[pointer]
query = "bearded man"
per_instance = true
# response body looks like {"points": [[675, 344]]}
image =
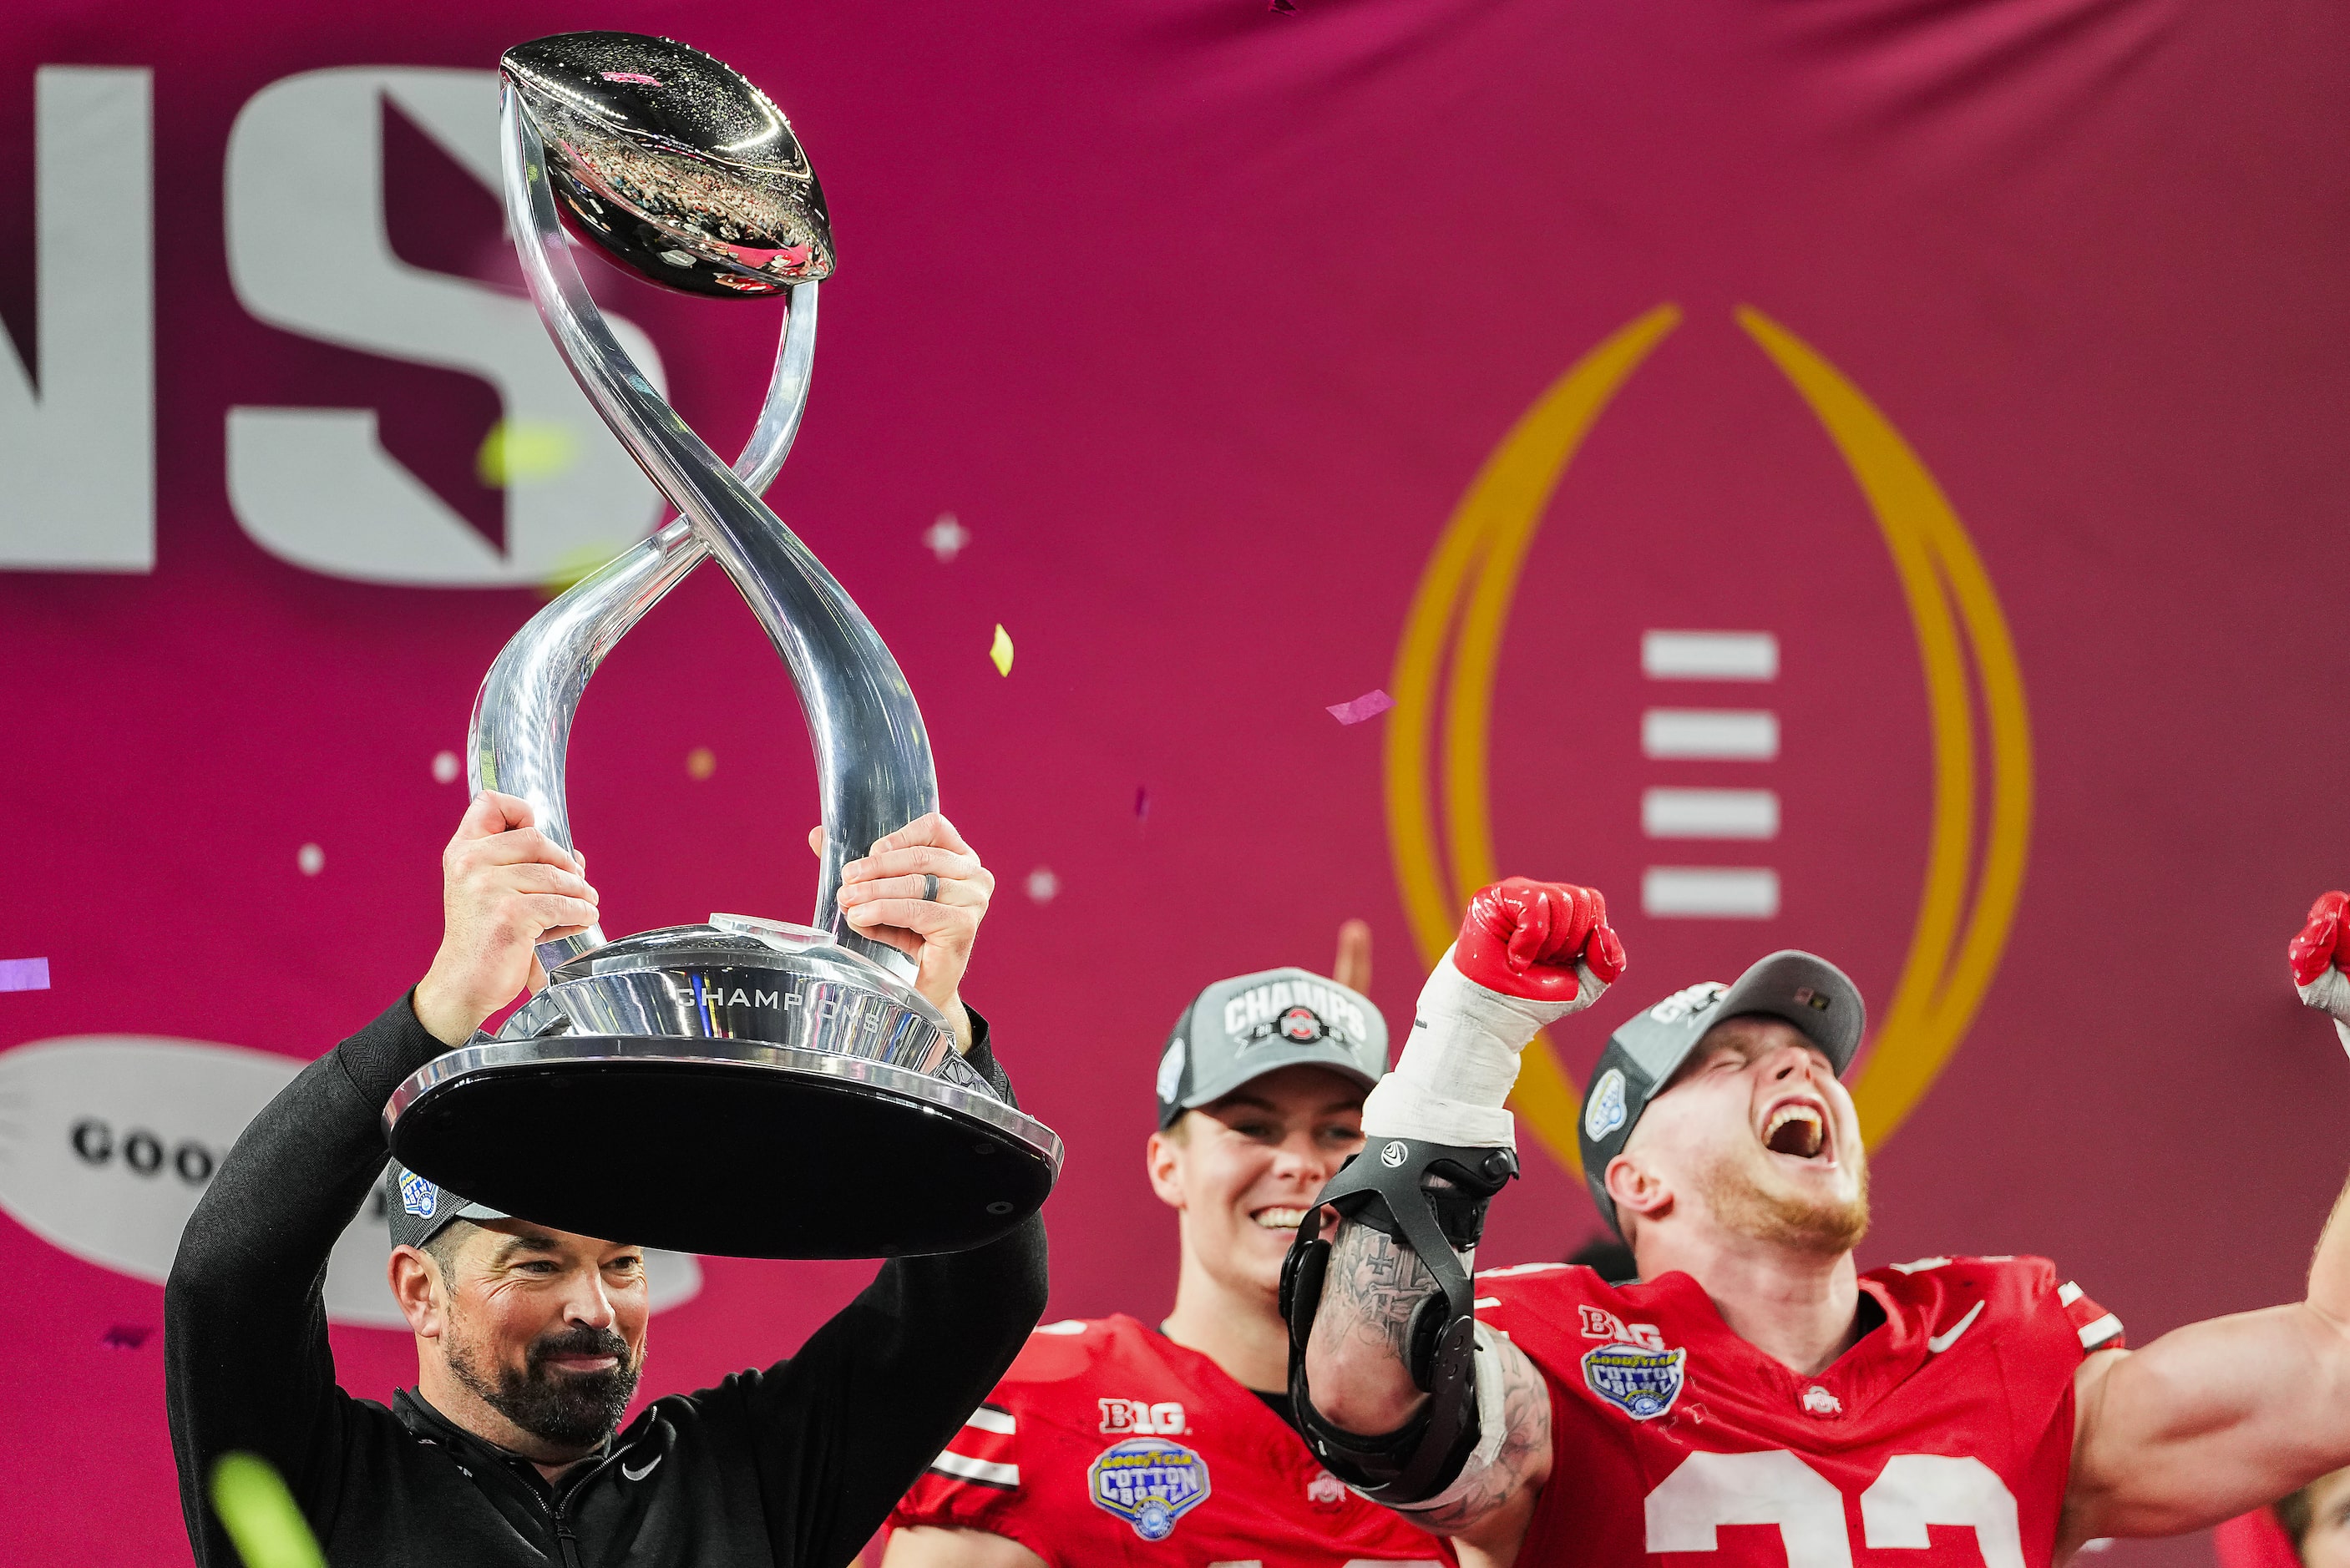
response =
{"points": [[529, 1340], [1753, 1377]]}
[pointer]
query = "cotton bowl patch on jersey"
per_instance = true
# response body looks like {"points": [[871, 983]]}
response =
{"points": [[1638, 1381], [1148, 1483]]}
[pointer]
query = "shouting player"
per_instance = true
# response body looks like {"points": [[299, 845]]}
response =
{"points": [[1756, 1377], [1109, 1442]]}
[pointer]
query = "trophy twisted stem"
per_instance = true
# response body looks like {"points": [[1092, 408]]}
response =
{"points": [[873, 761]]}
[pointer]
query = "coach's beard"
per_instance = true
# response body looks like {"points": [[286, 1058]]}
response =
{"points": [[1750, 1198], [575, 1410]]}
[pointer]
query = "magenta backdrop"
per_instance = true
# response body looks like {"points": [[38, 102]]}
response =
{"points": [[1201, 318]]}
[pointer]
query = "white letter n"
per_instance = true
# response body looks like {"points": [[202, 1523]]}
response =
{"points": [[77, 440]]}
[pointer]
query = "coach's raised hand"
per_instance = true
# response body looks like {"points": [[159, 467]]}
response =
{"points": [[2318, 961], [505, 888], [923, 890]]}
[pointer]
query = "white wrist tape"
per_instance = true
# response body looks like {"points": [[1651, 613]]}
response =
{"points": [[1462, 1059], [1492, 1426], [2329, 993]]}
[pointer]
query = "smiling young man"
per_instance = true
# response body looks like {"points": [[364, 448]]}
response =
{"points": [[1111, 1442], [1756, 1377], [529, 1341]]}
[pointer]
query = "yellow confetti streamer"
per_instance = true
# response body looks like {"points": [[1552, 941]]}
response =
{"points": [[523, 450], [261, 1516], [1002, 652]]}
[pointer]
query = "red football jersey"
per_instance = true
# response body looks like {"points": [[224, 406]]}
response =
{"points": [[1110, 1443], [1670, 1434]]}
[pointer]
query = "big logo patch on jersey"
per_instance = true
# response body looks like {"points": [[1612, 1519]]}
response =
{"points": [[1641, 1382], [1148, 1483]]}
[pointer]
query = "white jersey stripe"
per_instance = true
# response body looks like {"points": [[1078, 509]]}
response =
{"points": [[965, 1466], [988, 1419], [2096, 1334], [2067, 1294]]}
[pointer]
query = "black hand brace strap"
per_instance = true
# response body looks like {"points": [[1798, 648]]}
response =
{"points": [[1387, 1188]]}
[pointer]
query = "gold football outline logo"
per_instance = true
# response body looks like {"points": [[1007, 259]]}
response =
{"points": [[1463, 600]]}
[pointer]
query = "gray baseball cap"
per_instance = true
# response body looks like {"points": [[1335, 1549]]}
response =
{"points": [[1241, 1029], [420, 1210], [1642, 1056]]}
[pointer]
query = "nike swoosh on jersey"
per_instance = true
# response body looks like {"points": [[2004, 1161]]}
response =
{"points": [[640, 1475], [1939, 1343]]}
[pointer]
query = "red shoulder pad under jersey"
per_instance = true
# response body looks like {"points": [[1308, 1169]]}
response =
{"points": [[1666, 1425], [1107, 1443]]}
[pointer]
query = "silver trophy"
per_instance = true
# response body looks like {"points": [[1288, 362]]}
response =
{"points": [[748, 1086]]}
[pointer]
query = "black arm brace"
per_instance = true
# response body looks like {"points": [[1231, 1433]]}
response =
{"points": [[1387, 1187]]}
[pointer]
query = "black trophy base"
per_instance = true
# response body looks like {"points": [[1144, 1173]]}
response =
{"points": [[793, 1154]]}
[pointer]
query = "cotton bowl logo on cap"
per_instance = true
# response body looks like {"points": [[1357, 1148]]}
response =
{"points": [[418, 1196], [1170, 1069], [1606, 1111]]}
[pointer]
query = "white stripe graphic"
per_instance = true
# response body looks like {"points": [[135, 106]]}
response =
{"points": [[1709, 892], [1709, 656], [2067, 1294], [2096, 1334], [1710, 735], [949, 1462], [989, 1419], [1709, 813]]}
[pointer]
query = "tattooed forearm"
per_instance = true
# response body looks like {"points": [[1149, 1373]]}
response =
{"points": [[1374, 1285], [1486, 1491], [1354, 1355]]}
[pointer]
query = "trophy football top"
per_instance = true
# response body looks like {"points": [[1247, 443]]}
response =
{"points": [[673, 163]]}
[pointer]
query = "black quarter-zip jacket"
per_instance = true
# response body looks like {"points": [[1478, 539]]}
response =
{"points": [[790, 1465]]}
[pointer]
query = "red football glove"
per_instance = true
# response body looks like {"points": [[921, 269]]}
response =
{"points": [[1521, 938], [2317, 948]]}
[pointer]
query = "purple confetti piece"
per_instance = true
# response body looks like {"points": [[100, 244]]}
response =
{"points": [[125, 1337], [638, 77], [1141, 803], [1369, 705], [24, 974]]}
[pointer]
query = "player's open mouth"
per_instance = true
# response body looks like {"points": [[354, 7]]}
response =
{"points": [[1278, 1219], [583, 1363], [1798, 1128]]}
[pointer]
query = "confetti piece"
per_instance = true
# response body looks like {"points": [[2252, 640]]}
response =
{"points": [[946, 537], [1141, 803], [1283, 7], [24, 974], [446, 768], [520, 451], [261, 1518], [1369, 705], [637, 78], [1002, 652], [1043, 885], [310, 860], [701, 763], [125, 1337]]}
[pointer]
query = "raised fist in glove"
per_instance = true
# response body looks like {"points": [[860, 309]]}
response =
{"points": [[1529, 953], [1524, 938], [2318, 961]]}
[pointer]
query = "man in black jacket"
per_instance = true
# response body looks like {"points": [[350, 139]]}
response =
{"points": [[529, 1340]]}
